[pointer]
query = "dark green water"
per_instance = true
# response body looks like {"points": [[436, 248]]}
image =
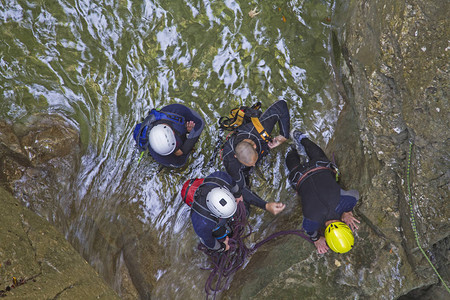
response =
{"points": [[105, 64]]}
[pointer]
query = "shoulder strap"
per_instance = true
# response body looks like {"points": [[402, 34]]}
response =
{"points": [[199, 205], [164, 115], [261, 131], [147, 123], [218, 181]]}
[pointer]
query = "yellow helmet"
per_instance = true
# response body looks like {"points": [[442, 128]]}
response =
{"points": [[339, 237]]}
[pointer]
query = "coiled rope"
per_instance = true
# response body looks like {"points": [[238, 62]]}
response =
{"points": [[224, 264], [413, 220]]}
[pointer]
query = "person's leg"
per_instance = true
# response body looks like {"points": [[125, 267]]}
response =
{"points": [[295, 166], [277, 113], [314, 152], [292, 160]]}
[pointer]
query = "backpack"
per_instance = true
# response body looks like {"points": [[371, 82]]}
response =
{"points": [[142, 129], [242, 115], [189, 189], [191, 186]]}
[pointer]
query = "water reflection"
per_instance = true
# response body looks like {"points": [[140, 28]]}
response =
{"points": [[105, 64]]}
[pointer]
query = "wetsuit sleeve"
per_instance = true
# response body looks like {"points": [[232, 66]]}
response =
{"points": [[189, 115], [192, 115], [347, 201], [253, 199], [233, 168], [312, 229], [204, 228], [188, 145]]}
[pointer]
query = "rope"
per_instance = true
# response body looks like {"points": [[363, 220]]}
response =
{"points": [[413, 221], [224, 264]]}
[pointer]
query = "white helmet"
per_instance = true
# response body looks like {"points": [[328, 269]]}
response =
{"points": [[162, 139], [221, 202]]}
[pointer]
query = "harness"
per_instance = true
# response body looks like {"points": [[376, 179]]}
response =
{"points": [[242, 115], [320, 165]]}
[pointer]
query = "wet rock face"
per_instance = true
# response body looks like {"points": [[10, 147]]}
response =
{"points": [[392, 70], [37, 158], [399, 95], [36, 262], [43, 150]]}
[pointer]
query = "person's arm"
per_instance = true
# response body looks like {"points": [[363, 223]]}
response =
{"points": [[204, 229], [188, 145], [346, 204], [312, 229], [276, 141], [350, 220], [233, 168], [253, 199], [321, 245]]}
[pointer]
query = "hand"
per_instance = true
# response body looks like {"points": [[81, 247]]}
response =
{"points": [[227, 247], [350, 220], [321, 245], [178, 152], [275, 207], [276, 141], [241, 198], [190, 125]]}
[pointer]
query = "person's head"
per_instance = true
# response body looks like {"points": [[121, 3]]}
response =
{"points": [[162, 139], [221, 202], [246, 153], [339, 237]]}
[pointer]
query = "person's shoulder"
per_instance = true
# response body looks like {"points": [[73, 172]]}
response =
{"points": [[350, 193], [221, 175], [174, 107]]}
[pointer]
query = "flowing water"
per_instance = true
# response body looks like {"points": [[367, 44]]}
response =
{"points": [[105, 64]]}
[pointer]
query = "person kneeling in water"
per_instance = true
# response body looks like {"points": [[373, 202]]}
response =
{"points": [[169, 134], [325, 205], [213, 206]]}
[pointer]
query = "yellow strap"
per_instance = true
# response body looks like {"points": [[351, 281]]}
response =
{"points": [[262, 132], [239, 115]]}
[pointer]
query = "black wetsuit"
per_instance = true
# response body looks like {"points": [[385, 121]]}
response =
{"points": [[276, 113], [206, 226], [322, 197]]}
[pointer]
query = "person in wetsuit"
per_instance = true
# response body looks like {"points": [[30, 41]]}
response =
{"points": [[325, 204], [213, 206], [247, 147], [169, 134]]}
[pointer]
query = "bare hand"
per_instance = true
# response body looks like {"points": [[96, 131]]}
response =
{"points": [[276, 141], [321, 245], [275, 207], [227, 247], [350, 220], [241, 198], [190, 125]]}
